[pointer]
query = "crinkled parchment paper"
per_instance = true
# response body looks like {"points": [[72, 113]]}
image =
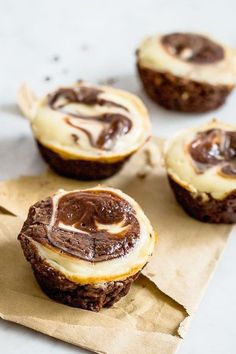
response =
{"points": [[154, 316]]}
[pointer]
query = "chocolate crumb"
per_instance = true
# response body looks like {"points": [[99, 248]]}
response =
{"points": [[56, 58], [65, 71], [148, 157], [109, 81], [84, 47], [141, 175], [75, 138]]}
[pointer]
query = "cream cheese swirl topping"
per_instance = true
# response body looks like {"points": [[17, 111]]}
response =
{"points": [[91, 121], [191, 56], [215, 147], [193, 48]]}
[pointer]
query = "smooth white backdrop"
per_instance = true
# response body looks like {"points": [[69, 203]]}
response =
{"points": [[95, 40]]}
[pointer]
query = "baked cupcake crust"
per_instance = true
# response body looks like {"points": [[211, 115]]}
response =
{"points": [[56, 286], [82, 169], [87, 247], [186, 72], [206, 209], [180, 94]]}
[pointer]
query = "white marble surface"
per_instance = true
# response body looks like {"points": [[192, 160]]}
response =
{"points": [[96, 40]]}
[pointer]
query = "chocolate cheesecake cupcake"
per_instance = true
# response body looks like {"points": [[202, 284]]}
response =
{"points": [[87, 132], [186, 72], [86, 247], [201, 165]]}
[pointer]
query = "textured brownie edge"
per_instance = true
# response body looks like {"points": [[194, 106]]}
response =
{"points": [[212, 210], [180, 94], [80, 169], [55, 285]]}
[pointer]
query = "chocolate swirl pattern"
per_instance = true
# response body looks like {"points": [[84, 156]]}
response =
{"points": [[92, 235], [114, 124], [89, 123], [193, 48], [215, 147], [93, 226]]}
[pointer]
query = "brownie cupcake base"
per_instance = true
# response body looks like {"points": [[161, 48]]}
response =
{"points": [[179, 94], [80, 169], [56, 286], [206, 209]]}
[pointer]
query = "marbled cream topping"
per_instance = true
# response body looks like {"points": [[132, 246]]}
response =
{"points": [[191, 56], [215, 147], [203, 159], [88, 121], [95, 235]]}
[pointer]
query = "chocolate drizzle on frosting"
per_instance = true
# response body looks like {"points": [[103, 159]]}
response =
{"points": [[215, 147], [193, 48], [115, 124], [95, 225]]}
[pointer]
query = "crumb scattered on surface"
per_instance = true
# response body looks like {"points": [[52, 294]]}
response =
{"points": [[109, 81], [148, 157], [47, 78], [84, 47], [65, 71], [56, 58], [44, 183], [142, 175], [151, 274]]}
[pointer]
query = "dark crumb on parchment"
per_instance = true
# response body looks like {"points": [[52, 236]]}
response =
{"points": [[141, 175], [148, 157]]}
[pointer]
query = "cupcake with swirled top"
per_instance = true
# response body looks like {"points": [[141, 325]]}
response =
{"points": [[86, 247], [201, 165], [186, 72], [86, 131]]}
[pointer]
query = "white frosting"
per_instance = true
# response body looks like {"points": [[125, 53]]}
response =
{"points": [[97, 272], [153, 55], [50, 128], [180, 166]]}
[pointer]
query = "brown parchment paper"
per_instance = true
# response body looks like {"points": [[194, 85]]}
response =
{"points": [[154, 316]]}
